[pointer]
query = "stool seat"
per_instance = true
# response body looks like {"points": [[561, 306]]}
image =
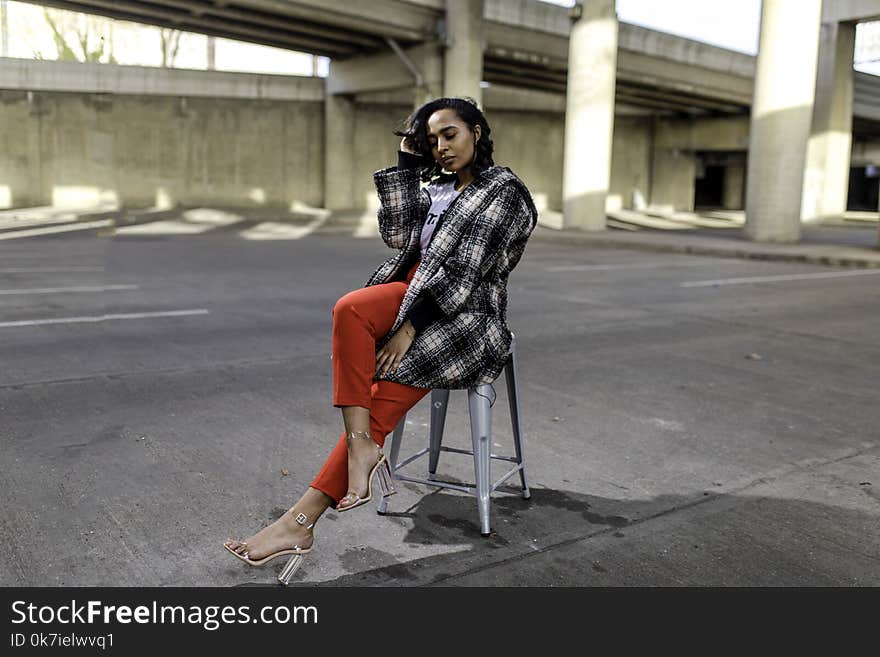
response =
{"points": [[480, 409]]}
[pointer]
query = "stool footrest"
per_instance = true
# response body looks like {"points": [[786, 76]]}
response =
{"points": [[469, 452], [512, 472], [447, 484], [438, 484], [407, 461]]}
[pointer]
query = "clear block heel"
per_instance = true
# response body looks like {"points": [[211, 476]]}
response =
{"points": [[290, 568], [386, 481]]}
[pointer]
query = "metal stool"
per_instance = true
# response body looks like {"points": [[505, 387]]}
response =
{"points": [[481, 435]]}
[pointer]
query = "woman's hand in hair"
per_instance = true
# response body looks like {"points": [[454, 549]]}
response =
{"points": [[389, 356], [408, 145]]}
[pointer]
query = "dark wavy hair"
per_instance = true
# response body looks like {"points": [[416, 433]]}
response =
{"points": [[415, 127]]}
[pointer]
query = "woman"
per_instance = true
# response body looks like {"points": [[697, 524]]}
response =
{"points": [[431, 316]]}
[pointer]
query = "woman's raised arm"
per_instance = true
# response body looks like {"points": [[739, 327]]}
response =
{"points": [[402, 203]]}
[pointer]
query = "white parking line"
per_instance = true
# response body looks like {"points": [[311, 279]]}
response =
{"points": [[13, 234], [80, 288], [642, 265], [46, 270], [104, 318], [781, 277]]}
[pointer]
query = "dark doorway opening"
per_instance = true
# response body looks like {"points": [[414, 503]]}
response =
{"points": [[709, 188], [719, 179], [864, 189]]}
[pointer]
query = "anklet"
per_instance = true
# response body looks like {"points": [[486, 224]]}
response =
{"points": [[366, 435]]}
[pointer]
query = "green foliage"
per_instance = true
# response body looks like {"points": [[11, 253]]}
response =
{"points": [[78, 49]]}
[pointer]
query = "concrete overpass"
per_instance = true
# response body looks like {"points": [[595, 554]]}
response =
{"points": [[541, 57], [526, 46]]}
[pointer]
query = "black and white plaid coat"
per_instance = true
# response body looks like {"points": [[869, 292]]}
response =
{"points": [[465, 269]]}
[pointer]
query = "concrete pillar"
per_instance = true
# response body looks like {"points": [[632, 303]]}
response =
{"points": [[338, 161], [431, 68], [589, 114], [782, 110], [463, 69], [734, 177], [826, 178]]}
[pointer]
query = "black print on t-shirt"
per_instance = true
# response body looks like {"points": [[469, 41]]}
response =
{"points": [[432, 218]]}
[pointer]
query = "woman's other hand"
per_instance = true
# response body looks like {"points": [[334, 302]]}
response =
{"points": [[389, 356], [407, 145]]}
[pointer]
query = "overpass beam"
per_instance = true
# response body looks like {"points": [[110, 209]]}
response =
{"points": [[463, 69], [387, 71], [431, 63], [589, 114], [782, 110], [826, 178]]}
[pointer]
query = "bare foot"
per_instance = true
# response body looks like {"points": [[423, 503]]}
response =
{"points": [[363, 453], [283, 534]]}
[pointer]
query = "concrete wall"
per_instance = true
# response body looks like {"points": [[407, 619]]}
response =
{"points": [[19, 152], [630, 163], [673, 162], [67, 148], [672, 184], [141, 150], [375, 146], [721, 134], [240, 139], [530, 143], [78, 134]]}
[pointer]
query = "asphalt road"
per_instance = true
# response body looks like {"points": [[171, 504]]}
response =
{"points": [[688, 420]]}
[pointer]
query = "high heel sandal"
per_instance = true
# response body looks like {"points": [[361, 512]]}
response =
{"points": [[386, 483], [297, 554]]}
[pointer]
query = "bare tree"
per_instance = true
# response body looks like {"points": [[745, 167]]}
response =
{"points": [[170, 40], [74, 36]]}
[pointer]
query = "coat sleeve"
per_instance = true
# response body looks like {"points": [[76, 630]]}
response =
{"points": [[402, 204], [505, 220]]}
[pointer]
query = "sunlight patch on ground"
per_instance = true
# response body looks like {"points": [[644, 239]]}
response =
{"points": [[286, 230], [191, 222], [83, 196]]}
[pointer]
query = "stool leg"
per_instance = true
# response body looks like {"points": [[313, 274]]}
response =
{"points": [[513, 400], [393, 452], [481, 435], [439, 404]]}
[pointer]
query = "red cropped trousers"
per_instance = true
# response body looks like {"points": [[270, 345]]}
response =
{"points": [[360, 318]]}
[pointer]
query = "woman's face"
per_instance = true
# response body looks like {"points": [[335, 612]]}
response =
{"points": [[451, 140]]}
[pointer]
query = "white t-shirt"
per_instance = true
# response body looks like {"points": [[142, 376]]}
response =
{"points": [[441, 196]]}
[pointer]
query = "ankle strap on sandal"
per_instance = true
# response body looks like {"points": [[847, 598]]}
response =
{"points": [[302, 519], [366, 435]]}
